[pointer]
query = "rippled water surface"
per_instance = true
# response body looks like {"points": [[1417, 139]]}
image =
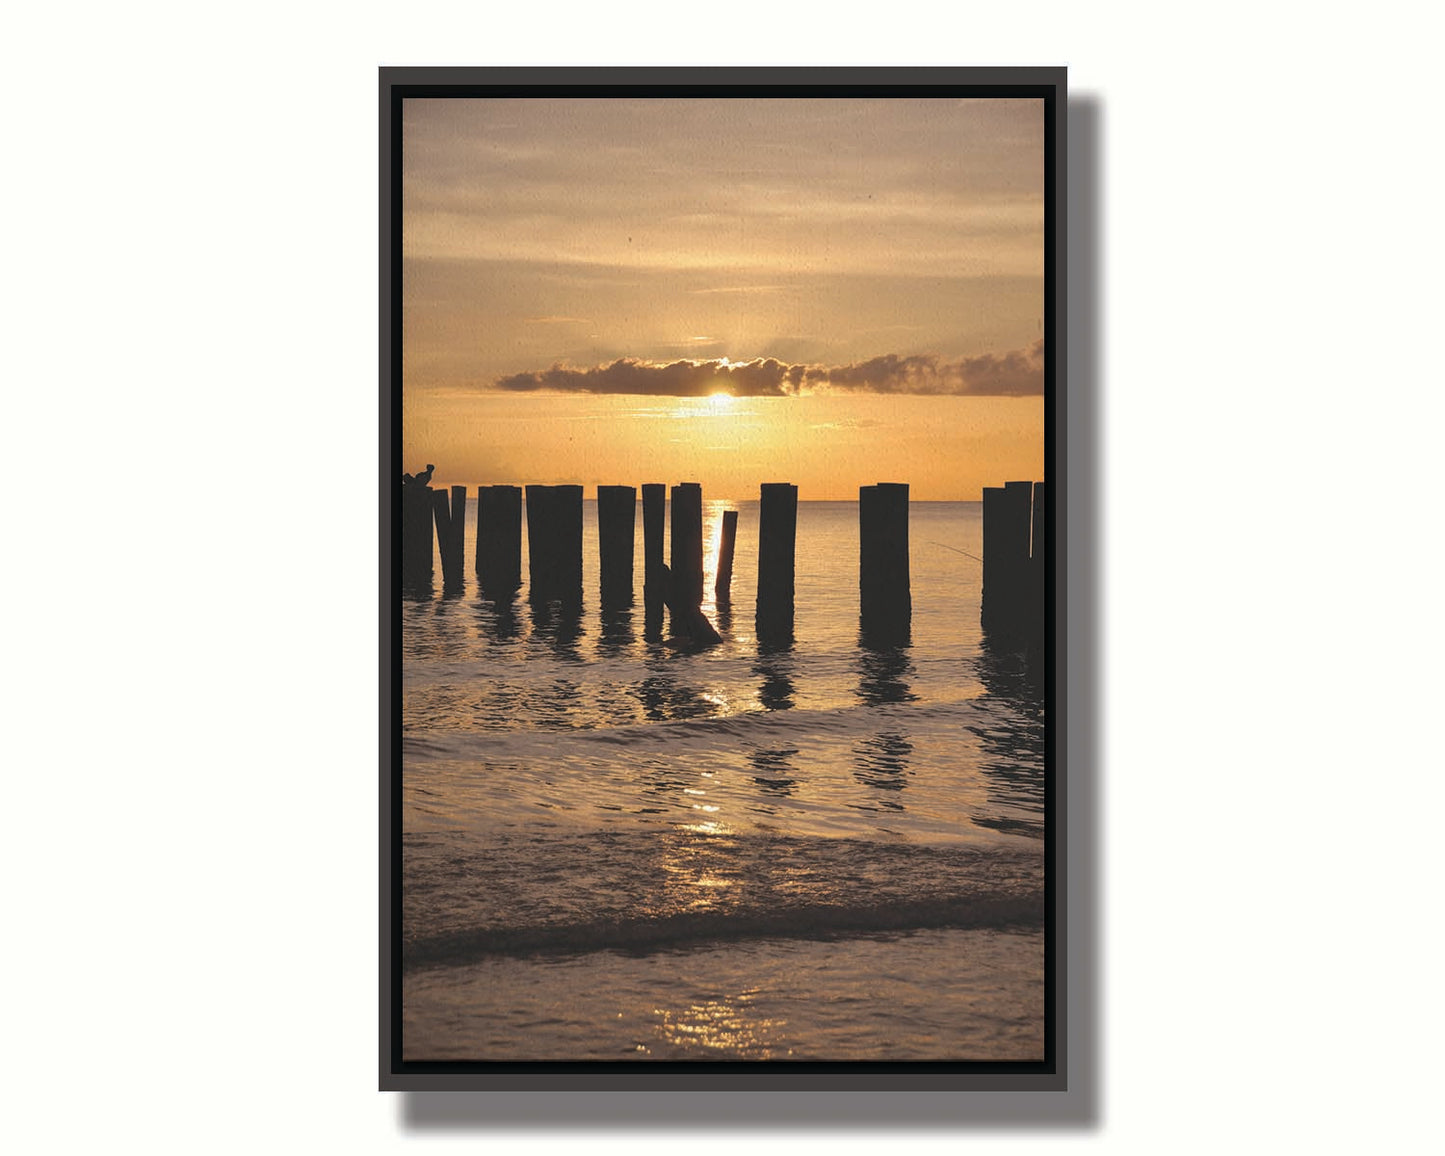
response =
{"points": [[614, 848]]}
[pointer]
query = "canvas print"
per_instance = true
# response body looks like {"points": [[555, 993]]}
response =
{"points": [[723, 661]]}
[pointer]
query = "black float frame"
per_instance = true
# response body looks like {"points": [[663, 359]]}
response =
{"points": [[396, 84]]}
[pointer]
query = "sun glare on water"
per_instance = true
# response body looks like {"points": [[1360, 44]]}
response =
{"points": [[719, 402]]}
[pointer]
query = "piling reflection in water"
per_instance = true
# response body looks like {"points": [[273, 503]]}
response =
{"points": [[435, 634], [558, 624], [775, 665], [665, 699], [1012, 738], [497, 619], [880, 762], [883, 673], [617, 634], [773, 770], [417, 589]]}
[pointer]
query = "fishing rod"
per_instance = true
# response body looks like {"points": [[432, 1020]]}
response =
{"points": [[955, 549]]}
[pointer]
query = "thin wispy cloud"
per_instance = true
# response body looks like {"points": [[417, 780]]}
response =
{"points": [[738, 289], [1016, 373]]}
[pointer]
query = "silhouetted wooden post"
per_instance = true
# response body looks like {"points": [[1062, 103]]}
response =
{"points": [[777, 539], [569, 543], [1006, 555], [1018, 497], [447, 535], [454, 547], [542, 545], [885, 600], [416, 535], [722, 588], [554, 543], [616, 522], [1037, 555], [499, 539], [687, 544], [993, 561], [654, 594]]}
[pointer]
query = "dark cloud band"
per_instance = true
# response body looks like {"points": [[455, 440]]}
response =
{"points": [[1018, 373]]}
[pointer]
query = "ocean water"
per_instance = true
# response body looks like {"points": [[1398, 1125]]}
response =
{"points": [[616, 849]]}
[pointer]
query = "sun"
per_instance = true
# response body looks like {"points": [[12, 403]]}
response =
{"points": [[719, 402]]}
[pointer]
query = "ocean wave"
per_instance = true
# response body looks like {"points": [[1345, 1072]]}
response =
{"points": [[631, 890], [684, 929], [743, 726]]}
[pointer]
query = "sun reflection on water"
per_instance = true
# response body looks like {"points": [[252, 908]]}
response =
{"points": [[707, 828], [726, 1025]]}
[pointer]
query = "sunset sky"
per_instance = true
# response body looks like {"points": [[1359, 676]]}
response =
{"points": [[828, 292]]}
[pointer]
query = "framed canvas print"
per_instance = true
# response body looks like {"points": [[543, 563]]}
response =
{"points": [[721, 419]]}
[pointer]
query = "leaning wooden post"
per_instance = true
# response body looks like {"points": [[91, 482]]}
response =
{"points": [[616, 527], [654, 596], [722, 588], [777, 539], [442, 515], [885, 600], [454, 545], [416, 535], [687, 544]]}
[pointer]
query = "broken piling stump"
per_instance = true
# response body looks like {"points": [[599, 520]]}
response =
{"points": [[722, 586]]}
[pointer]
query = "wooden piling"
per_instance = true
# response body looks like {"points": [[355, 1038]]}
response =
{"points": [[416, 535], [616, 522], [447, 536], [1006, 533], [454, 549], [569, 531], [554, 543], [687, 544], [777, 540], [499, 539], [654, 592], [1039, 522], [885, 599], [1018, 499], [722, 587]]}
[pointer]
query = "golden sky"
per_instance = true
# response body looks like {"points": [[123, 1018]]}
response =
{"points": [[730, 291]]}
